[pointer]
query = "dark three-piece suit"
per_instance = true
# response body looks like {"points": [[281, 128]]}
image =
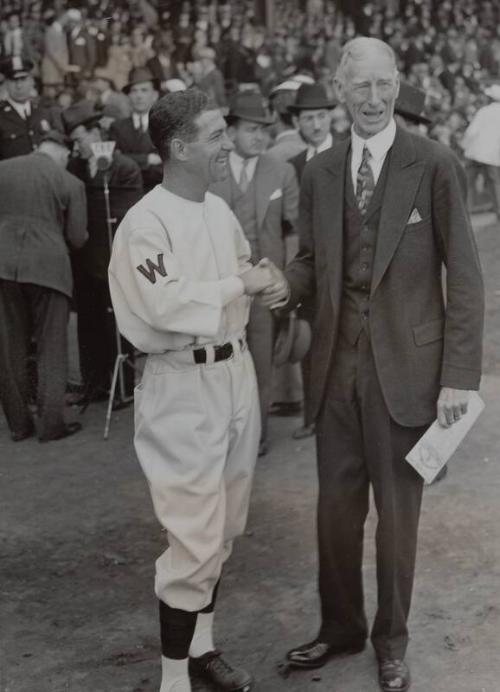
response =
{"points": [[384, 343]]}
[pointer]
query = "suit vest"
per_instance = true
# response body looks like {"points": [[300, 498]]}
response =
{"points": [[245, 208], [359, 245]]}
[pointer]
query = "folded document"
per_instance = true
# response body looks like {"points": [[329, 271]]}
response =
{"points": [[437, 445]]}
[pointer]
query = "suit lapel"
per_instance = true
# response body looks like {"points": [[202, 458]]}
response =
{"points": [[265, 184], [403, 178], [331, 212]]}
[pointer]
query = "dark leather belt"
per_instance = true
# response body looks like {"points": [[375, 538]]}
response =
{"points": [[223, 352]]}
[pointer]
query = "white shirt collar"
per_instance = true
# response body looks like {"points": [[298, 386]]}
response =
{"points": [[141, 118], [20, 108], [325, 144], [378, 145], [236, 162]]}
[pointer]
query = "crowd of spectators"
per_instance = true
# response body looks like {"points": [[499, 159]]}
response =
{"points": [[449, 48]]}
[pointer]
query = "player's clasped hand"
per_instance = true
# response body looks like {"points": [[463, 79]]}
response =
{"points": [[277, 291], [256, 279], [451, 406]]}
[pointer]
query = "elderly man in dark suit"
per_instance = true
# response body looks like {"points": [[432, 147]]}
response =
{"points": [[96, 335], [42, 217], [380, 214], [23, 120], [263, 194], [131, 134]]}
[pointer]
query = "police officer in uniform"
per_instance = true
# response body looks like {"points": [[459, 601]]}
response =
{"points": [[23, 121]]}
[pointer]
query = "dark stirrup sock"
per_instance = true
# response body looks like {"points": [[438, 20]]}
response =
{"points": [[177, 629]]}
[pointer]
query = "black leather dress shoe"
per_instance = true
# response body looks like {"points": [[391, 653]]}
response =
{"points": [[69, 429], [19, 435], [317, 653], [216, 670], [393, 675]]}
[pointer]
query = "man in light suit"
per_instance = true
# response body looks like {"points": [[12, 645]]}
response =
{"points": [[42, 218], [263, 193], [380, 213]]}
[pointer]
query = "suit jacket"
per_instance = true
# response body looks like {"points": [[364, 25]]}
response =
{"points": [[19, 136], [82, 52], [276, 204], [419, 343], [137, 145], [42, 215], [55, 57], [125, 189]]}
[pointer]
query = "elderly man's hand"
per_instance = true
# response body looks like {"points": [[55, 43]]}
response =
{"points": [[451, 406], [256, 279], [278, 292]]}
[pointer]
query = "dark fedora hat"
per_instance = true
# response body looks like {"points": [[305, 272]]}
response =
{"points": [[80, 113], [139, 75], [293, 340], [311, 97], [56, 137], [16, 67], [249, 106], [411, 104]]}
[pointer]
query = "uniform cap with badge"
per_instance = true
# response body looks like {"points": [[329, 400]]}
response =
{"points": [[16, 67]]}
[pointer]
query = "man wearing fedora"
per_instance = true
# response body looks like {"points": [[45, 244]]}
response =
{"points": [[42, 219], [380, 214], [409, 109], [131, 134], [288, 141], [312, 112], [23, 120], [263, 194], [96, 335], [108, 98]]}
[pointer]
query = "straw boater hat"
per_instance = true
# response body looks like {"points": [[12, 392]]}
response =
{"points": [[293, 340], [311, 97], [139, 75], [411, 104], [251, 107]]}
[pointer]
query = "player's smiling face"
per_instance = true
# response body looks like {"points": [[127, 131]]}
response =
{"points": [[208, 154]]}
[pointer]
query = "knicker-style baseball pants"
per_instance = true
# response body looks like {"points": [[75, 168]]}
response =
{"points": [[197, 430]]}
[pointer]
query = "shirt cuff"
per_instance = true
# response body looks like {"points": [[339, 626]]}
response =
{"points": [[231, 288]]}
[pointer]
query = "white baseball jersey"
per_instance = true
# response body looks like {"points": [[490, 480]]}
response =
{"points": [[174, 273]]}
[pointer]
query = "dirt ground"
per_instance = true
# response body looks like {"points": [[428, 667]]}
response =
{"points": [[79, 539]]}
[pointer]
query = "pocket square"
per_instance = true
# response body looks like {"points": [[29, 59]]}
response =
{"points": [[276, 194], [415, 216]]}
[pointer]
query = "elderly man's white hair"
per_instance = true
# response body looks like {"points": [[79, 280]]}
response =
{"points": [[357, 49]]}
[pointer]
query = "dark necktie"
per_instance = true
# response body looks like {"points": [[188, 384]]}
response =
{"points": [[365, 182], [244, 181]]}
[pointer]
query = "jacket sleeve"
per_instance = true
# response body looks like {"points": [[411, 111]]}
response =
{"points": [[463, 333], [76, 213], [290, 199], [300, 271], [160, 294]]}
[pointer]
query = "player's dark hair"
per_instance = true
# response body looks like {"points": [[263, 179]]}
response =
{"points": [[173, 116]]}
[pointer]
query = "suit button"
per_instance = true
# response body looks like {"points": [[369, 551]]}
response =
{"points": [[364, 267], [31, 133]]}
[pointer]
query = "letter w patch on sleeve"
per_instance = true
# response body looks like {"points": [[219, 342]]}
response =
{"points": [[151, 269]]}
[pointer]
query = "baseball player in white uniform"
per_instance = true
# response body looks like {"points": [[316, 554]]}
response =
{"points": [[180, 283]]}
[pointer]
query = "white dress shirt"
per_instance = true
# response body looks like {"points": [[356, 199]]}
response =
{"points": [[325, 144], [141, 121], [236, 162], [378, 146]]}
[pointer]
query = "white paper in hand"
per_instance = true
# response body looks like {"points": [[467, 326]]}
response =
{"points": [[437, 445]]}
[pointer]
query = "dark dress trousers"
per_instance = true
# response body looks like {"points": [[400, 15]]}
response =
{"points": [[384, 342], [96, 327], [137, 145], [19, 136], [42, 216]]}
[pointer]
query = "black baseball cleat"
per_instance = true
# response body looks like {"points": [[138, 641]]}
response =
{"points": [[216, 670], [316, 653]]}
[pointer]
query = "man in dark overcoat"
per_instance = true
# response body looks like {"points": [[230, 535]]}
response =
{"points": [[380, 214], [42, 218]]}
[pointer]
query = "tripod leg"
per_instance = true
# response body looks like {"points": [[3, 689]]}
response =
{"points": [[116, 370]]}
